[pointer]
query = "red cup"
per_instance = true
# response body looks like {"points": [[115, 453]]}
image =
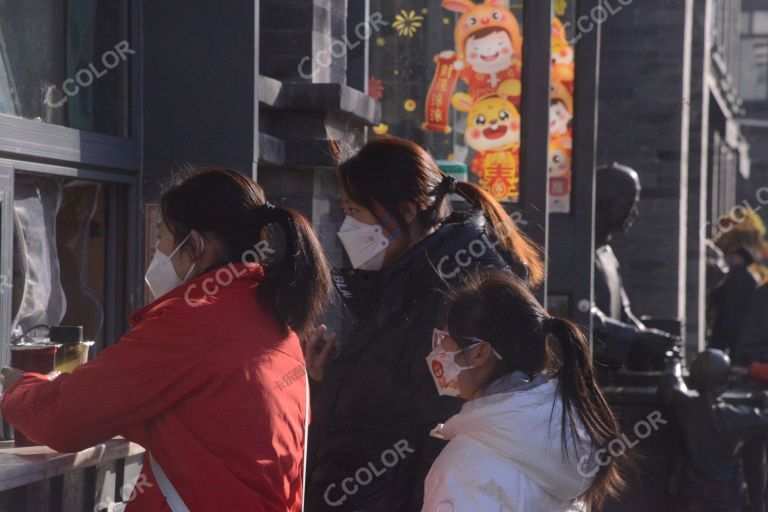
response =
{"points": [[34, 357]]}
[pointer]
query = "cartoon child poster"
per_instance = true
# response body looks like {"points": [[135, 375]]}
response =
{"points": [[488, 62]]}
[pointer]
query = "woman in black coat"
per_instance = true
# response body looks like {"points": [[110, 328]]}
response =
{"points": [[374, 400]]}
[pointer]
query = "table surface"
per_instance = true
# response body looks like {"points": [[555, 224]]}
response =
{"points": [[22, 466]]}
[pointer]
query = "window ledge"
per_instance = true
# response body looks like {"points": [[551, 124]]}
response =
{"points": [[23, 466], [35, 140], [326, 97]]}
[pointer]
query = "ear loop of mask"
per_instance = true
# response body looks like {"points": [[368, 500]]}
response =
{"points": [[396, 233], [461, 351], [178, 248]]}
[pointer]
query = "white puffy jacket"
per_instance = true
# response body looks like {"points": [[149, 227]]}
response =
{"points": [[505, 455]]}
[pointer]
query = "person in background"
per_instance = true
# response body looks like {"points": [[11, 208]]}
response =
{"points": [[528, 436], [714, 436], [210, 379], [737, 318], [741, 239], [374, 402]]}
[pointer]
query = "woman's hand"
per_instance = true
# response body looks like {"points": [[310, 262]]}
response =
{"points": [[11, 375], [317, 348]]}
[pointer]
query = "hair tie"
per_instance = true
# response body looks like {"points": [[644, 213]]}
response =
{"points": [[267, 206], [549, 323], [449, 182]]}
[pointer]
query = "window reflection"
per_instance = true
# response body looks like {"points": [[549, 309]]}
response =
{"points": [[59, 264], [754, 56], [562, 76], [66, 63]]}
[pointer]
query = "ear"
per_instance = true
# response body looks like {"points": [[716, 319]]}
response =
{"points": [[462, 102], [196, 244], [409, 211], [461, 6], [480, 355]]}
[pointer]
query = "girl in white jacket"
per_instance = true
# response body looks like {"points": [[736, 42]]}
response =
{"points": [[526, 439]]}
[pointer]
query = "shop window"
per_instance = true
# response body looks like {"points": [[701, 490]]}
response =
{"points": [[754, 68], [448, 76], [66, 63], [562, 78], [60, 262]]}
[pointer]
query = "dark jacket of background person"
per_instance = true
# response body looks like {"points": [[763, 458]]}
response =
{"points": [[730, 302], [752, 343], [713, 435], [377, 395]]}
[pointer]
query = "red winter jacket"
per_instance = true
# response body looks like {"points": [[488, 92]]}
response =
{"points": [[209, 385]]}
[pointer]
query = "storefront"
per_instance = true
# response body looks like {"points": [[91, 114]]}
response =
{"points": [[100, 100]]}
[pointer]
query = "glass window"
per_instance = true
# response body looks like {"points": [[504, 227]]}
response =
{"points": [[746, 23], [562, 76], [66, 63], [754, 69], [60, 263], [760, 23], [449, 78]]}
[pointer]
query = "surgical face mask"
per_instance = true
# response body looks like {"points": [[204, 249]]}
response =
{"points": [[161, 276], [443, 366], [365, 244]]}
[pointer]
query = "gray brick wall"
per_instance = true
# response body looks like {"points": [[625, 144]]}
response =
{"points": [[641, 97]]}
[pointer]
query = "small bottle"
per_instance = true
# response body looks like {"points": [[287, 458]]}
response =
{"points": [[73, 351]]}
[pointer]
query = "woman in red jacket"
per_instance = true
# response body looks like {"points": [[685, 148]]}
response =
{"points": [[211, 378]]}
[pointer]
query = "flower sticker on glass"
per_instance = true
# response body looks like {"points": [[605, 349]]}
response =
{"points": [[561, 6], [375, 88], [407, 23]]}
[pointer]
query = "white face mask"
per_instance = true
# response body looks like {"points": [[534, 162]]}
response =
{"points": [[161, 276], [366, 244]]}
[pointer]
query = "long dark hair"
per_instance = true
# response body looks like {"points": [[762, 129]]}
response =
{"points": [[389, 171], [498, 308], [231, 208]]}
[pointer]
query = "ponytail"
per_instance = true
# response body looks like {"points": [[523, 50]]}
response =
{"points": [[582, 398], [297, 285], [509, 236]]}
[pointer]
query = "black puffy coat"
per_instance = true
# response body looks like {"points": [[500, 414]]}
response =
{"points": [[369, 443]]}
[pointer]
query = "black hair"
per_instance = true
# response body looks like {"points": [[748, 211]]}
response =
{"points": [[230, 207]]}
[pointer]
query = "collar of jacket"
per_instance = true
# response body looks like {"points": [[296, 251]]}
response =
{"points": [[381, 295], [203, 286]]}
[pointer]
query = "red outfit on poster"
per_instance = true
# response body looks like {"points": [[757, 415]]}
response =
{"points": [[482, 84], [210, 385]]}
